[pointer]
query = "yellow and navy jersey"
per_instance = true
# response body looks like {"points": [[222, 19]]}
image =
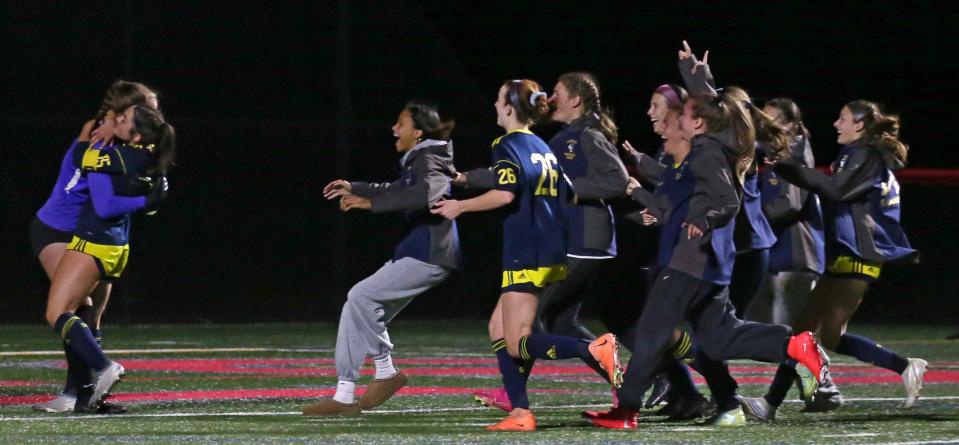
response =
{"points": [[105, 218], [534, 234]]}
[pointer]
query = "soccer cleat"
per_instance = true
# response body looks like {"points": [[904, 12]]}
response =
{"points": [[758, 408], [62, 403], [519, 422], [806, 384], [659, 392], [379, 391], [103, 382], [618, 418], [605, 350], [804, 349], [733, 417], [912, 379], [826, 398], [111, 408], [330, 407], [494, 398]]}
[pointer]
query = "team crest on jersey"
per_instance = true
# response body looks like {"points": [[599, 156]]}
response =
{"points": [[773, 181], [571, 149], [842, 163], [551, 352]]}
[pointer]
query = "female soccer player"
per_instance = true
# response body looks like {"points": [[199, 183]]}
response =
{"points": [[52, 228], [586, 152], [699, 214], [99, 249], [863, 234], [530, 183], [422, 260], [798, 258]]}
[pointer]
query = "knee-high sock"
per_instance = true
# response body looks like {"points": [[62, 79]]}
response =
{"points": [[513, 380], [78, 337], [869, 351], [555, 347]]}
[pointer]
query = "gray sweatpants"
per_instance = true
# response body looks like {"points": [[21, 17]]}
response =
{"points": [[371, 304]]}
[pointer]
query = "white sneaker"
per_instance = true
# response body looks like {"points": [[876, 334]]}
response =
{"points": [[103, 382], [759, 408], [912, 379], [63, 403]]}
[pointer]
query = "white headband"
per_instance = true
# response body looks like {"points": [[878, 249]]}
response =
{"points": [[534, 96]]}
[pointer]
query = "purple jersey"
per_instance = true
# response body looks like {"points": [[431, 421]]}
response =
{"points": [[71, 191]]}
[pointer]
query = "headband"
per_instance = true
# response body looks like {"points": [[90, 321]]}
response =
{"points": [[669, 93], [534, 96]]}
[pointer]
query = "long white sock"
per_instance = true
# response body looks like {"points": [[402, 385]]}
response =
{"points": [[384, 368], [344, 391]]}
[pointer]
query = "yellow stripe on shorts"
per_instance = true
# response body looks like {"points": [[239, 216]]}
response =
{"points": [[112, 259], [539, 277], [848, 264]]}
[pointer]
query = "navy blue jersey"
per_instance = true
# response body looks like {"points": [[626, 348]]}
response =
{"points": [[105, 218], [534, 236], [879, 209], [752, 229], [795, 216], [676, 188]]}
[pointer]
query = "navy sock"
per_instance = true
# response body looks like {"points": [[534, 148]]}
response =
{"points": [[680, 381], [785, 376], [869, 351], [513, 380], [78, 373], [78, 337], [552, 347], [683, 349]]}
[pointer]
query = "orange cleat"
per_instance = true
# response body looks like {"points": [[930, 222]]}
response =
{"points": [[606, 351], [804, 349], [518, 422]]}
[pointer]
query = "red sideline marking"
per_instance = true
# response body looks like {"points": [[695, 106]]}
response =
{"points": [[920, 176], [233, 394], [21, 383]]}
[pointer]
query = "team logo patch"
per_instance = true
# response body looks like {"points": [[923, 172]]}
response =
{"points": [[551, 352], [570, 149]]}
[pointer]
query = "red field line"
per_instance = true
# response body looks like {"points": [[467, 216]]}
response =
{"points": [[235, 394]]}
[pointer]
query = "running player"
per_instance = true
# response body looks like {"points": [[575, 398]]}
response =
{"points": [[587, 154], [52, 228], [99, 248], [863, 233], [423, 259], [700, 215], [530, 183]]}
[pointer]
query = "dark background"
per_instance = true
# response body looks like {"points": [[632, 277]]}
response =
{"points": [[273, 101]]}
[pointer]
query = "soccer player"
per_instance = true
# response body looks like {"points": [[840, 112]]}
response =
{"points": [[530, 183], [699, 214], [863, 233], [99, 248], [422, 260], [586, 151], [52, 228]]}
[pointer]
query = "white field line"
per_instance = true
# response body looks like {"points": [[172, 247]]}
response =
{"points": [[396, 411]]}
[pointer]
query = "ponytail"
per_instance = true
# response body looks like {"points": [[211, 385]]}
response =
{"points": [[528, 100], [727, 112], [156, 132], [584, 86], [881, 130]]}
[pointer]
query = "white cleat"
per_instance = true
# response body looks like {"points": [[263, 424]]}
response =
{"points": [[912, 379], [63, 403], [103, 382]]}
